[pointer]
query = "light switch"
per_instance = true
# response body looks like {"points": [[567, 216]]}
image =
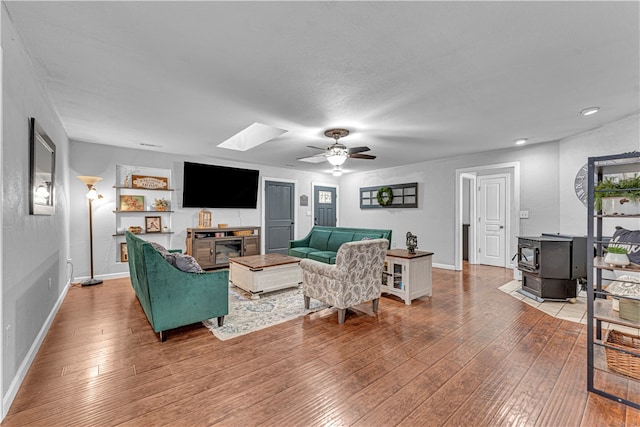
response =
{"points": [[524, 214]]}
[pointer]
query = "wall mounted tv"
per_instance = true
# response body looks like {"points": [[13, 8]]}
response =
{"points": [[211, 186]]}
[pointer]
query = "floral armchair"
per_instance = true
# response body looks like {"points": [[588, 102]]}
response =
{"points": [[355, 278]]}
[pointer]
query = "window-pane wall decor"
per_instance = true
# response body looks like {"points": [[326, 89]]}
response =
{"points": [[389, 196]]}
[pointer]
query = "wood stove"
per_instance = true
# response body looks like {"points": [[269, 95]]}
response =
{"points": [[552, 265]]}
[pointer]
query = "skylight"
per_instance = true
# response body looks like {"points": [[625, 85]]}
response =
{"points": [[252, 136]]}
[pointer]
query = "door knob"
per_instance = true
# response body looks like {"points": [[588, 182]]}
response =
{"points": [[502, 226]]}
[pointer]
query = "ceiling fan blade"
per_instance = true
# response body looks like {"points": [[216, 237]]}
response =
{"points": [[318, 158], [362, 156], [354, 150], [316, 148]]}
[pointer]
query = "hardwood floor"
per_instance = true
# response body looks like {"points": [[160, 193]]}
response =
{"points": [[469, 356]]}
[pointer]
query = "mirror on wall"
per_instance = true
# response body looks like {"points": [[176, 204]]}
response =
{"points": [[42, 166]]}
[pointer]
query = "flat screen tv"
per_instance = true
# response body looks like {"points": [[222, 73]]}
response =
{"points": [[211, 186]]}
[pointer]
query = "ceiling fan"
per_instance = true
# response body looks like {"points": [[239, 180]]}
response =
{"points": [[337, 153]]}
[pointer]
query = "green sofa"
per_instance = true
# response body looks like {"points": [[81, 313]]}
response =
{"points": [[172, 298], [322, 243]]}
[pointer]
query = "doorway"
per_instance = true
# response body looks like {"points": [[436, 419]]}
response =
{"points": [[325, 206], [279, 215], [471, 176], [492, 217]]}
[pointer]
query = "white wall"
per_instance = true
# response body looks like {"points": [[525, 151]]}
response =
{"points": [[434, 219], [620, 137], [101, 160], [547, 172], [34, 248]]}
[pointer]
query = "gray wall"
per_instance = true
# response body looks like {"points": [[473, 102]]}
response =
{"points": [[34, 248], [101, 160]]}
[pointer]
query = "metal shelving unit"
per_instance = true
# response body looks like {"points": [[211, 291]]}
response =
{"points": [[599, 309]]}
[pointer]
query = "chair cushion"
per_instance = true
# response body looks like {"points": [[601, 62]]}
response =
{"points": [[366, 236], [319, 240], [337, 239], [328, 257], [301, 252]]}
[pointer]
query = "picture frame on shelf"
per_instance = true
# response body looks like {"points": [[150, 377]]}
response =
{"points": [[124, 255], [131, 203], [152, 224]]}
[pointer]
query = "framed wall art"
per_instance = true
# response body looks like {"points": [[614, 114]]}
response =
{"points": [[131, 203], [42, 171], [124, 255], [152, 224]]}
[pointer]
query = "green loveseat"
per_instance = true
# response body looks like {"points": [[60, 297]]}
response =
{"points": [[322, 243], [172, 298]]}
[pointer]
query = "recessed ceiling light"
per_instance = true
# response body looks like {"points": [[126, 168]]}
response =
{"points": [[520, 141], [589, 111]]}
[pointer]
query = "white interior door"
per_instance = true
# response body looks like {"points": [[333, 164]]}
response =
{"points": [[492, 217]]}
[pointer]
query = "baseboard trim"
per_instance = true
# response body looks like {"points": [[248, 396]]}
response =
{"points": [[12, 391], [444, 266], [103, 276]]}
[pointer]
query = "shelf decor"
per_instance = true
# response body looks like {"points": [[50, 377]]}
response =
{"points": [[150, 182], [131, 203], [161, 205], [389, 196], [152, 224], [618, 358], [204, 218]]}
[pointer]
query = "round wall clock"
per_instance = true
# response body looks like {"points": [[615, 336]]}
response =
{"points": [[580, 184]]}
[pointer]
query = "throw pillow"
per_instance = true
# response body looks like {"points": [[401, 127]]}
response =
{"points": [[187, 263], [158, 247], [629, 239]]}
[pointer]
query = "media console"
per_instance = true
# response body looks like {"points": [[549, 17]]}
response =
{"points": [[212, 247]]}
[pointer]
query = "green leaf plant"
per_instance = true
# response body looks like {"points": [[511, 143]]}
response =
{"points": [[628, 188]]}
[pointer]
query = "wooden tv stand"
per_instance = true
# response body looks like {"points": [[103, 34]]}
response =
{"points": [[212, 247]]}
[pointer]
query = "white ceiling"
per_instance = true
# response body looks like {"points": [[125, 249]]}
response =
{"points": [[411, 80]]}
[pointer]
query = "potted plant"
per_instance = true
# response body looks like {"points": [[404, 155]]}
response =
{"points": [[617, 256], [618, 196], [161, 204]]}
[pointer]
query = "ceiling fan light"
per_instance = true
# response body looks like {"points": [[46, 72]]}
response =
{"points": [[337, 159], [337, 171]]}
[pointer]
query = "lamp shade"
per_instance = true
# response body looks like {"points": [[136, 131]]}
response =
{"points": [[89, 180]]}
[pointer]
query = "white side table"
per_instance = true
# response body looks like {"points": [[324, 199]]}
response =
{"points": [[408, 276]]}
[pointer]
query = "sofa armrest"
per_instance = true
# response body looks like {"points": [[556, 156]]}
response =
{"points": [[301, 243], [179, 298]]}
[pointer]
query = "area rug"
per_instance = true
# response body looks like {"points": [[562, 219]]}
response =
{"points": [[247, 315]]}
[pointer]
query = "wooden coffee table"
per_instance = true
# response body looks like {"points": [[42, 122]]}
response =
{"points": [[264, 273]]}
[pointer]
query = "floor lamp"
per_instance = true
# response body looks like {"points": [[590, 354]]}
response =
{"points": [[92, 194]]}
